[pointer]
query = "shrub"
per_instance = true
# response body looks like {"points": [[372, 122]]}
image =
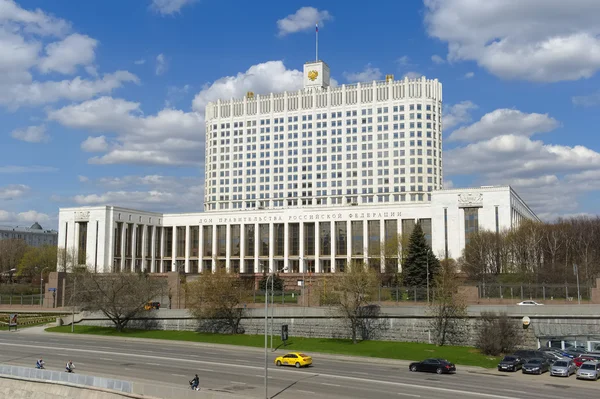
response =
{"points": [[498, 334]]}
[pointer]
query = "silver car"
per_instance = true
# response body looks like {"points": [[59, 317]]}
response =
{"points": [[563, 368], [589, 371]]}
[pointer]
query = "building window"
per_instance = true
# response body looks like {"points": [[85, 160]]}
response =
{"points": [[158, 242], [426, 227], [278, 239], [374, 235], [408, 225], [82, 248], [195, 241], [309, 239], [235, 240], [497, 221], [341, 239], [221, 240], [357, 238], [249, 232], [168, 242], [294, 239], [207, 239], [446, 233], [181, 241], [128, 238], [325, 239], [118, 238], [148, 242], [139, 240], [263, 231], [471, 223]]}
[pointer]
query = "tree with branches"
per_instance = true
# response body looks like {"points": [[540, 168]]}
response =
{"points": [[356, 291], [120, 297], [216, 299], [419, 260]]}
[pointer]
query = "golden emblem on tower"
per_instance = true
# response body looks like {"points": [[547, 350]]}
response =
{"points": [[312, 75]]}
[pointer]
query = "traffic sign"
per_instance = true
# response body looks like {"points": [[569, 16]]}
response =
{"points": [[52, 289]]}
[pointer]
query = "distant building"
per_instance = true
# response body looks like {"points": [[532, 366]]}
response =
{"points": [[35, 235]]}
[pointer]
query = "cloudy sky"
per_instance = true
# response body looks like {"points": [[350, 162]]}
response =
{"points": [[102, 102]]}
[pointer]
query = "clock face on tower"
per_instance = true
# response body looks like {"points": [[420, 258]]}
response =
{"points": [[312, 75]]}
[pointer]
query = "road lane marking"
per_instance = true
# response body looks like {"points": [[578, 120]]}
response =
{"points": [[331, 385], [303, 391], [409, 394], [104, 358], [229, 365], [178, 375], [153, 364]]}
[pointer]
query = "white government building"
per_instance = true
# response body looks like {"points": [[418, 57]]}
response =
{"points": [[304, 181]]}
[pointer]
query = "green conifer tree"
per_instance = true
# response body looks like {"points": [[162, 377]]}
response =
{"points": [[419, 257]]}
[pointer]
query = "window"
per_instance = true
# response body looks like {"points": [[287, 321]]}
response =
{"points": [[357, 238], [471, 222], [325, 238], [207, 241], [341, 239]]}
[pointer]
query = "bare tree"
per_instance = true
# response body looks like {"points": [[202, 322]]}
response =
{"points": [[216, 300], [448, 309], [498, 334], [357, 290], [11, 253], [120, 297], [66, 259]]}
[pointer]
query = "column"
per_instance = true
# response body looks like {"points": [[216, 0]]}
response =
{"points": [[187, 249], [399, 232], [256, 249], [214, 247], [143, 255], [123, 240], [152, 249], [317, 248], [133, 246], [201, 250], [228, 248], [348, 240], [333, 236], [162, 248], [174, 250], [286, 246], [271, 247], [366, 241], [301, 249], [242, 247], [382, 247]]}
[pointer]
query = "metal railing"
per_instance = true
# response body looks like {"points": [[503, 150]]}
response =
{"points": [[35, 300], [564, 292]]}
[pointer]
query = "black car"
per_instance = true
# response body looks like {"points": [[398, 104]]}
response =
{"points": [[525, 354], [439, 366], [536, 366], [510, 363]]}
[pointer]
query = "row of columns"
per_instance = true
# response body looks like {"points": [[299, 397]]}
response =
{"points": [[149, 233]]}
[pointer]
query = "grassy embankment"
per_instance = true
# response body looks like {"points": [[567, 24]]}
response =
{"points": [[461, 355]]}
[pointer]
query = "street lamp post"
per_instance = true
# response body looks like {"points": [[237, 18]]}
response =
{"points": [[266, 327], [272, 291], [428, 277]]}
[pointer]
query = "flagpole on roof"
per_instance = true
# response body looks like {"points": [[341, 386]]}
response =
{"points": [[317, 43]]}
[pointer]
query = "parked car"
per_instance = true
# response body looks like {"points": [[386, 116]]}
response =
{"points": [[295, 359], [579, 360], [536, 366], [551, 357], [589, 371], [563, 368], [510, 363], [525, 354], [529, 303], [439, 366]]}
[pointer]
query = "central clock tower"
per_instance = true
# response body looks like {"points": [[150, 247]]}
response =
{"points": [[316, 74]]}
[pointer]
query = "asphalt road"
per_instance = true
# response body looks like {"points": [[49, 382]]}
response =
{"points": [[241, 370]]}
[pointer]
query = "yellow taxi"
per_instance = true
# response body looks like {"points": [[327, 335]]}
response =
{"points": [[296, 359]]}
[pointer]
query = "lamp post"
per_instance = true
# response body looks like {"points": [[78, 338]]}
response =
{"points": [[270, 276], [427, 277], [576, 271]]}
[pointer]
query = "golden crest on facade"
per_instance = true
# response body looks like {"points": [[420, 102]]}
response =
{"points": [[312, 75]]}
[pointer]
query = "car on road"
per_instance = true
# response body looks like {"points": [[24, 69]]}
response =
{"points": [[563, 368], [510, 363], [296, 359], [589, 371], [579, 360], [439, 366], [537, 365], [529, 303]]}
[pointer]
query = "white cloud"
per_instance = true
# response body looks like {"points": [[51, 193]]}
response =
{"points": [[536, 40], [505, 122], [33, 22], [368, 74], [448, 184], [83, 179], [13, 169], [161, 64], [469, 75], [95, 144], [169, 7], [590, 100], [171, 136], [23, 217], [412, 75], [13, 191], [66, 55], [31, 134], [140, 62], [437, 59], [176, 94], [38, 93], [457, 114], [304, 19], [404, 61]]}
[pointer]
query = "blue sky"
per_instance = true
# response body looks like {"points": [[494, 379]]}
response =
{"points": [[101, 102]]}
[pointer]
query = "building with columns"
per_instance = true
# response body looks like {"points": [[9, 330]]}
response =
{"points": [[308, 181]]}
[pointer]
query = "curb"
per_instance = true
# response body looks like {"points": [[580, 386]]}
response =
{"points": [[329, 356]]}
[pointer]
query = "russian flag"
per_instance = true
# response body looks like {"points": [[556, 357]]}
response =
{"points": [[317, 26]]}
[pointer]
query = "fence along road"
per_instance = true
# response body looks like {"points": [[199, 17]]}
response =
{"points": [[239, 370]]}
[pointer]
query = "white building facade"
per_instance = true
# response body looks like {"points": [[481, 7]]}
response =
{"points": [[308, 181]]}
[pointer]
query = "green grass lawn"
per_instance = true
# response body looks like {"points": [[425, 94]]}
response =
{"points": [[461, 355]]}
